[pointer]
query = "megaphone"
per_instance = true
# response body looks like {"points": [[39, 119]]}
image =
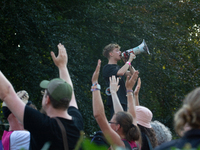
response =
{"points": [[136, 50]]}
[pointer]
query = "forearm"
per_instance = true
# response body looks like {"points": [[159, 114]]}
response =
{"points": [[137, 100], [64, 74], [8, 95], [116, 103], [131, 106], [123, 69], [98, 107], [131, 69]]}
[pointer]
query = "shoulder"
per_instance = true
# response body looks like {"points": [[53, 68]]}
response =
{"points": [[76, 117]]}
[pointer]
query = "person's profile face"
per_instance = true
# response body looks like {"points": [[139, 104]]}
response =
{"points": [[116, 53]]}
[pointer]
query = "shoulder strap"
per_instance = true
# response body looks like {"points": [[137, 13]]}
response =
{"points": [[127, 145], [64, 134], [150, 146]]}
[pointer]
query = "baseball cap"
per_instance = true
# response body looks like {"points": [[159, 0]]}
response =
{"points": [[57, 88], [23, 95], [144, 116]]}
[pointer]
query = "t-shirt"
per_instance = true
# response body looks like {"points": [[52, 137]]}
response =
{"points": [[20, 140], [108, 71], [44, 129]]}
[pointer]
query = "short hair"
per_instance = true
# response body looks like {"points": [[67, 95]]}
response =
{"points": [[189, 113], [108, 48], [163, 133], [61, 104]]}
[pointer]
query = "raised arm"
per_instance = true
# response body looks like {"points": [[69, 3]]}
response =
{"points": [[99, 113], [130, 82], [124, 69], [136, 92], [113, 90], [9, 96], [61, 62]]}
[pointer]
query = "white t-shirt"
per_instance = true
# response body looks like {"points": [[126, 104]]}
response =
{"points": [[20, 140]]}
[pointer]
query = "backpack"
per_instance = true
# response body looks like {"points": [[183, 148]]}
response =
{"points": [[127, 145], [99, 139]]}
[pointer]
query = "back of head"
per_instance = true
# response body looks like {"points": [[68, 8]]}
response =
{"points": [[163, 134], [107, 49], [59, 92], [144, 117], [189, 113], [125, 120]]}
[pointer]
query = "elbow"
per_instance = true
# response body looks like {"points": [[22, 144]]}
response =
{"points": [[120, 73]]}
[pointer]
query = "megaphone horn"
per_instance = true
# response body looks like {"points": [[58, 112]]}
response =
{"points": [[136, 50]]}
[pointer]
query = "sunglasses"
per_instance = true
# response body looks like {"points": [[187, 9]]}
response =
{"points": [[112, 122]]}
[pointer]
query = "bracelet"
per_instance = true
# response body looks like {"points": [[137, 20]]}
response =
{"points": [[94, 84], [95, 87], [128, 63], [129, 94], [129, 91]]}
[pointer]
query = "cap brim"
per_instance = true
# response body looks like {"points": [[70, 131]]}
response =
{"points": [[44, 84]]}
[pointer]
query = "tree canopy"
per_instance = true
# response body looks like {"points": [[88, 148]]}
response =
{"points": [[31, 29]]}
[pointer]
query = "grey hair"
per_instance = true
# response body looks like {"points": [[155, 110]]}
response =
{"points": [[163, 133]]}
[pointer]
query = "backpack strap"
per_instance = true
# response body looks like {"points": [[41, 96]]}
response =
{"points": [[127, 145], [149, 143], [64, 134]]}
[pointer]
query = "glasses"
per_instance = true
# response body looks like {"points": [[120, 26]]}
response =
{"points": [[112, 122]]}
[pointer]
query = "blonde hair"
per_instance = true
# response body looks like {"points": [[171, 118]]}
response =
{"points": [[110, 47], [189, 113]]}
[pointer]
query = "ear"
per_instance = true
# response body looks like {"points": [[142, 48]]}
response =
{"points": [[111, 54], [118, 127], [48, 101]]}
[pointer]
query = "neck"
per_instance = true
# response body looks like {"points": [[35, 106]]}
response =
{"points": [[112, 61], [52, 112]]}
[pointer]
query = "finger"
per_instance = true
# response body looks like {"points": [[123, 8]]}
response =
{"points": [[117, 80], [53, 55], [98, 66]]}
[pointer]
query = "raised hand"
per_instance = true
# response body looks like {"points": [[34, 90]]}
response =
{"points": [[114, 84], [137, 89], [95, 76], [62, 58], [130, 81]]}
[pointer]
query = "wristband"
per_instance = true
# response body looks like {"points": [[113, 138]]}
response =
{"points": [[128, 63], [129, 91], [95, 87]]}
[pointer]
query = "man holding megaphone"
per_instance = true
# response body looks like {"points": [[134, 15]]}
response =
{"points": [[113, 54]]}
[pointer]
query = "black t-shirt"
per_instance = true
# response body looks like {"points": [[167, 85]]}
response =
{"points": [[108, 71], [44, 129]]}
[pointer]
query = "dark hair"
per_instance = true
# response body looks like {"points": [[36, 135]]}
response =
{"points": [[107, 49], [61, 104], [125, 120], [149, 132]]}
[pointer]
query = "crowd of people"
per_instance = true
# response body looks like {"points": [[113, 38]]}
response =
{"points": [[57, 126]]}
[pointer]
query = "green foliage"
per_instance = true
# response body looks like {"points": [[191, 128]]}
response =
{"points": [[31, 29]]}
